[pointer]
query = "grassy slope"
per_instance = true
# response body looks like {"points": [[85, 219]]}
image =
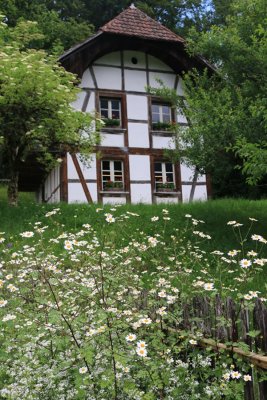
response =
{"points": [[214, 213]]}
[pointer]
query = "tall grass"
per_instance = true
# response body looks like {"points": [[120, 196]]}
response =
{"points": [[216, 214]]}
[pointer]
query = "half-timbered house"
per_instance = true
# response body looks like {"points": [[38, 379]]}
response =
{"points": [[115, 67]]}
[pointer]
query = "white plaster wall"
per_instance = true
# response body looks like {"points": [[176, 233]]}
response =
{"points": [[186, 189], [108, 78], [160, 142], [76, 193], [51, 183], [181, 118], [141, 58], [180, 89], [187, 174], [155, 63], [89, 172], [91, 103], [113, 58], [92, 187], [141, 193], [112, 139], [77, 104], [114, 200], [137, 107], [166, 200], [139, 168], [138, 135], [200, 193], [72, 173], [167, 79], [135, 80], [87, 80]]}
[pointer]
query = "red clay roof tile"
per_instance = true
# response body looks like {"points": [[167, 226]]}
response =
{"points": [[133, 22]]}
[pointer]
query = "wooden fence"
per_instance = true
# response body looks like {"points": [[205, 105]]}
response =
{"points": [[237, 327]]}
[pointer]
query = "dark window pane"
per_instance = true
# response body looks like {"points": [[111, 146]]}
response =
{"points": [[168, 167], [166, 110], [117, 165], [155, 117], [166, 118], [103, 103], [155, 108], [157, 167], [169, 177], [105, 165], [115, 104], [106, 178], [104, 113], [115, 114]]}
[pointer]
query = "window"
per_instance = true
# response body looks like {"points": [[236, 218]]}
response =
{"points": [[112, 175], [110, 111], [161, 116], [164, 176]]}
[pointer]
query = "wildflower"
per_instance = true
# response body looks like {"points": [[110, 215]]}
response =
{"points": [[244, 263], [162, 293], [141, 344], [27, 234], [226, 376], [83, 370], [252, 253], [232, 253], [12, 288], [8, 277], [256, 237], [208, 286], [192, 341], [146, 321], [253, 294], [253, 219], [109, 218], [231, 222], [68, 245], [153, 219], [161, 311], [3, 303], [247, 297], [131, 337], [235, 375], [141, 352], [152, 241], [247, 378], [9, 317], [188, 216]]}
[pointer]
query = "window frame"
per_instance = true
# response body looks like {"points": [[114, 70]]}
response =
{"points": [[164, 175], [112, 173], [110, 95], [161, 103], [110, 109]]}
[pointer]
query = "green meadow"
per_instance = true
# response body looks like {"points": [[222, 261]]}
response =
{"points": [[215, 215]]}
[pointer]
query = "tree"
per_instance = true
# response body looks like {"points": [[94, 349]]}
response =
{"points": [[61, 27], [227, 110], [35, 112]]}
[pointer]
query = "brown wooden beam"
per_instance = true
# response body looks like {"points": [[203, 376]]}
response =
{"points": [[81, 177]]}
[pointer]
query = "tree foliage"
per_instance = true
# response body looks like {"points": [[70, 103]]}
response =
{"points": [[35, 112], [228, 109]]}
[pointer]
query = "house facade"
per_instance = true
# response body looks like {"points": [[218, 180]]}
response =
{"points": [[115, 66]]}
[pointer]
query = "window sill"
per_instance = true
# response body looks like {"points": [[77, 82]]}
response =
{"points": [[167, 193], [162, 133], [112, 192], [113, 130]]}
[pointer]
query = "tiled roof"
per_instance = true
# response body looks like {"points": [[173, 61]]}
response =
{"points": [[133, 22]]}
